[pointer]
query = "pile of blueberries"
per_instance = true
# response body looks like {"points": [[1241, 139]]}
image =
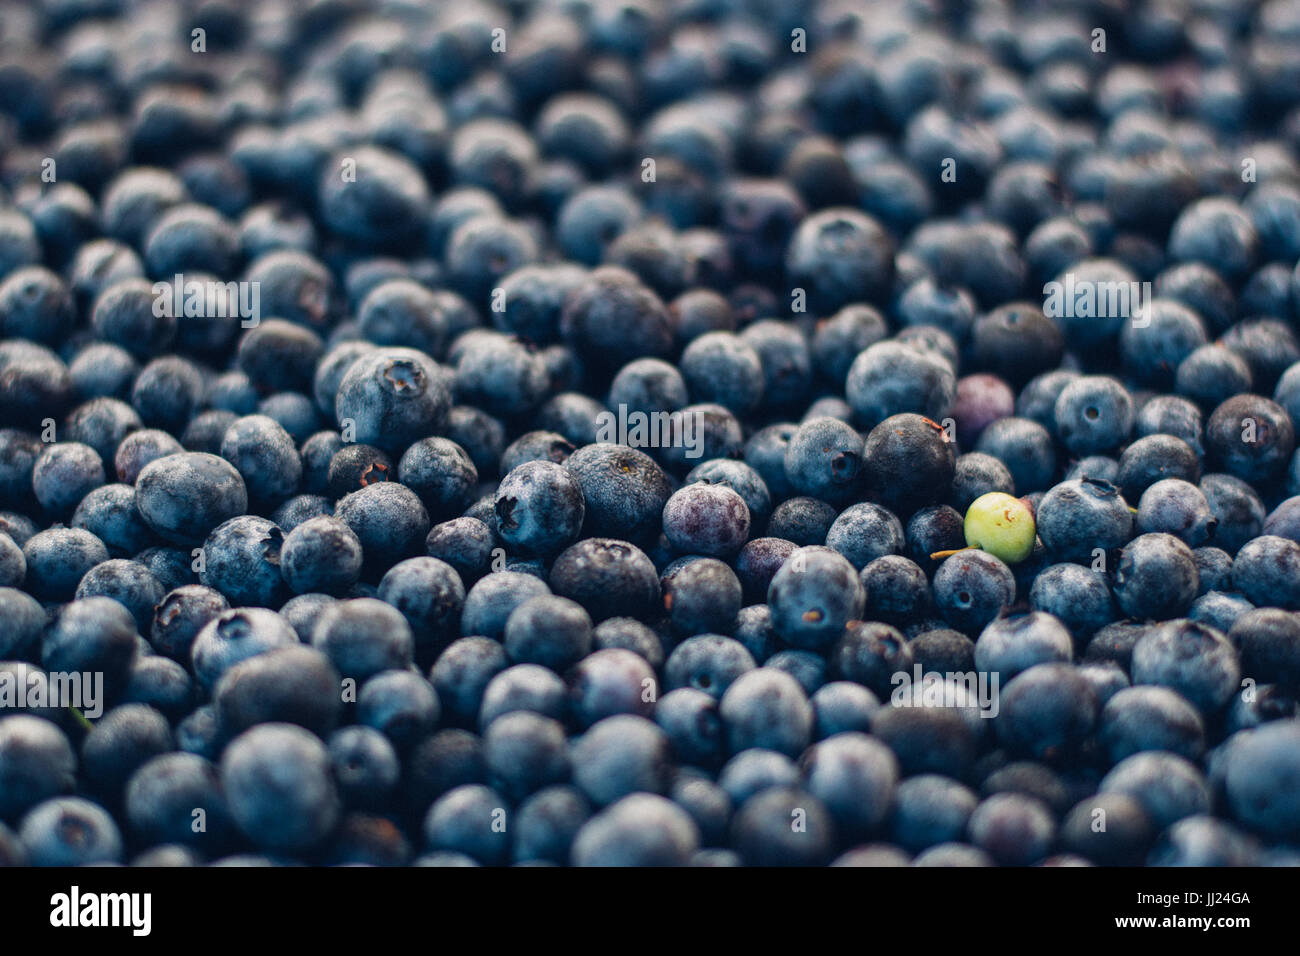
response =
{"points": [[542, 432]]}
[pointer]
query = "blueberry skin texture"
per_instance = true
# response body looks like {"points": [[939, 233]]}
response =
{"points": [[802, 521], [701, 595], [608, 682], [489, 603], [721, 367], [392, 397], [1077, 596], [643, 829], [1093, 414], [864, 533], [128, 736], [840, 255], [1197, 661], [546, 824], [1267, 571], [909, 463], [1010, 645], [842, 705], [1155, 578], [364, 636], [183, 497], [389, 521], [1250, 437], [548, 630], [64, 474], [813, 596], [279, 786], [619, 756], [824, 459], [1077, 517], [365, 765], [767, 708], [1268, 640], [706, 519], [242, 561], [624, 491], [36, 763], [179, 617], [265, 456], [740, 478], [1046, 712], [971, 588], [70, 831], [129, 583], [708, 663], [430, 595], [290, 684], [929, 810], [1179, 508], [608, 578], [462, 673], [1168, 787], [235, 635], [21, 621], [109, 514], [889, 378], [855, 777], [1147, 718], [321, 554], [1236, 507], [94, 634], [441, 473], [1262, 769], [539, 508], [762, 835]]}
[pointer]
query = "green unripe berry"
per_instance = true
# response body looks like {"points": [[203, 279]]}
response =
{"points": [[1002, 525]]}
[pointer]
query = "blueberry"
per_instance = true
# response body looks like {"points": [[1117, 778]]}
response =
{"points": [[623, 489], [813, 596], [391, 397], [1156, 577], [1146, 718], [824, 460], [1047, 711], [1249, 437], [1190, 658], [763, 836], [364, 636], [889, 378], [971, 588], [1075, 518], [706, 519], [275, 769], [1094, 413], [36, 763], [388, 519], [547, 823], [1168, 787], [70, 831], [1010, 645], [701, 595], [930, 810], [1124, 839], [766, 708], [855, 777], [539, 507], [183, 497], [802, 521], [643, 829], [235, 635], [289, 684], [1259, 767], [20, 623]]}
